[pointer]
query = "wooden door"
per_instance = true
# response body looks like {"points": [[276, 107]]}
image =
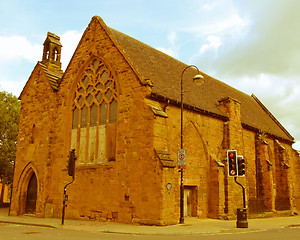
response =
{"points": [[31, 195], [190, 201]]}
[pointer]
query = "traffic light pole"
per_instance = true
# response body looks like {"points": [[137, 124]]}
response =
{"points": [[71, 172], [244, 195], [64, 202], [242, 212]]}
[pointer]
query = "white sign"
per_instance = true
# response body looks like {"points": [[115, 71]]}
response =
{"points": [[181, 158]]}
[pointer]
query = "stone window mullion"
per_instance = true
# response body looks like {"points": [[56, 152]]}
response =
{"points": [[95, 114]]}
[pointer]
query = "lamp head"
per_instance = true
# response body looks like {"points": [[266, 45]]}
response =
{"points": [[198, 79]]}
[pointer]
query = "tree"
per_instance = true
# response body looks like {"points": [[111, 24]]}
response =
{"points": [[9, 124]]}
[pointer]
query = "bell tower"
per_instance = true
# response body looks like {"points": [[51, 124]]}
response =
{"points": [[52, 52]]}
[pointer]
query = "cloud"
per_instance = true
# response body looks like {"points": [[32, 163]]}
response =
{"points": [[259, 53], [69, 40], [172, 38], [18, 56], [214, 43], [172, 50], [218, 18], [168, 51], [12, 86], [271, 44], [17, 48], [18, 53], [208, 6]]}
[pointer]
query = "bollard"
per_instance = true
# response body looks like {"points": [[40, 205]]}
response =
{"points": [[242, 218]]}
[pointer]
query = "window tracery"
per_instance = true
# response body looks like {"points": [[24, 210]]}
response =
{"points": [[95, 115]]}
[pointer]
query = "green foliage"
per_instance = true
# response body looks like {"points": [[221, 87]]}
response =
{"points": [[9, 124]]}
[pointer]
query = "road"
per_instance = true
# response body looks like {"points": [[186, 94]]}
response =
{"points": [[18, 232]]}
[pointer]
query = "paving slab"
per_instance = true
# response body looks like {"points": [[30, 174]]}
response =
{"points": [[192, 226]]}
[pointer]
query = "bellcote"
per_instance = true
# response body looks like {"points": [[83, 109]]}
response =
{"points": [[52, 52]]}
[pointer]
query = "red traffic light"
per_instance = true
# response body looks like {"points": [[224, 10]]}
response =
{"points": [[232, 163]]}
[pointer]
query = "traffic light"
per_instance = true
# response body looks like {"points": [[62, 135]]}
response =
{"points": [[241, 166], [71, 163], [232, 163]]}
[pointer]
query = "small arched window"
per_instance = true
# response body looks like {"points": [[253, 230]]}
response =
{"points": [[95, 115], [56, 56]]}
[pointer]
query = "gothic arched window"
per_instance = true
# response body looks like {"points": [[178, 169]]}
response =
{"points": [[95, 115]]}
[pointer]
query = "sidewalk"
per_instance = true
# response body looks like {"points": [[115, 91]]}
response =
{"points": [[191, 226]]}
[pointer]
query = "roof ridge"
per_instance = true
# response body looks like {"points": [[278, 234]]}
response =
{"points": [[120, 49], [271, 116]]}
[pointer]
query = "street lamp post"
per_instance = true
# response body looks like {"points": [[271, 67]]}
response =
{"points": [[198, 79]]}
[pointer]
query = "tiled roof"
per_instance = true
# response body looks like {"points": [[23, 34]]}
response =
{"points": [[165, 72], [51, 37], [53, 78]]}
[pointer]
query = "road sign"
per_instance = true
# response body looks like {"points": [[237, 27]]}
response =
{"points": [[181, 158]]}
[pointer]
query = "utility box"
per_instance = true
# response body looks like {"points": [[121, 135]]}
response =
{"points": [[242, 218]]}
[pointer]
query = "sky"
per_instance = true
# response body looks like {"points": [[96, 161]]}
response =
{"points": [[252, 45]]}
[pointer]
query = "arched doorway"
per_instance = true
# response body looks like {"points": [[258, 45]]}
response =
{"points": [[31, 197]]}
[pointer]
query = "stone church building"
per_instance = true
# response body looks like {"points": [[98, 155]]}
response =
{"points": [[118, 105]]}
